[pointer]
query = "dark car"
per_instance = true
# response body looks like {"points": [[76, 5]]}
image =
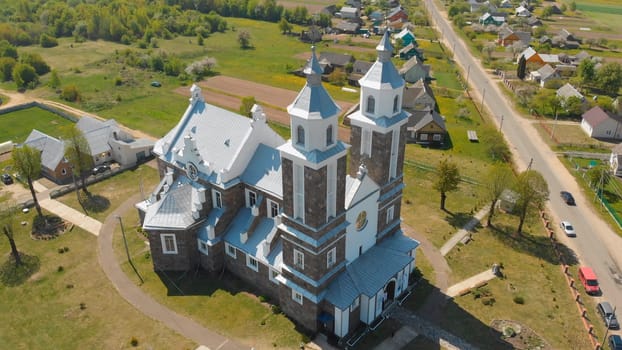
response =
{"points": [[567, 197], [156, 83], [7, 179], [100, 169], [607, 313], [615, 342]]}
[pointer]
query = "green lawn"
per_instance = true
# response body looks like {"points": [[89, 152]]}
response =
{"points": [[223, 304], [111, 192], [16, 126], [44, 312]]}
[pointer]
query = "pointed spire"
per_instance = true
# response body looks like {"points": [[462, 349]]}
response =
{"points": [[313, 70], [384, 48]]}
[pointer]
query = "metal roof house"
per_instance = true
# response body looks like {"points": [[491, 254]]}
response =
{"points": [[286, 216]]}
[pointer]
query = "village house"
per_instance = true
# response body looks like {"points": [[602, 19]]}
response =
{"points": [[349, 12], [488, 19], [508, 37], [544, 74], [359, 69], [414, 70], [599, 124], [567, 91], [427, 127], [406, 36], [287, 216], [107, 143], [522, 11], [54, 165], [409, 51], [565, 40], [418, 97], [397, 13], [531, 56]]}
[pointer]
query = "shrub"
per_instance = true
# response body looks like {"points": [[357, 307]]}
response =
{"points": [[262, 299], [61, 250], [66, 249], [69, 286], [276, 309], [519, 300], [47, 41], [70, 93], [82, 306], [134, 342], [488, 301], [60, 269], [118, 81]]}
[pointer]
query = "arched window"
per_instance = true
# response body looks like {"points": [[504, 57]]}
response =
{"points": [[329, 135], [371, 104], [300, 133], [395, 104]]}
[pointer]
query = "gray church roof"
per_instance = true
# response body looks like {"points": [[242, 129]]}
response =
{"points": [[173, 211], [52, 149]]}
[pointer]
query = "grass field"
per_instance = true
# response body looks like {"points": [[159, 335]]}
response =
{"points": [[110, 193], [225, 304], [44, 312], [16, 126]]}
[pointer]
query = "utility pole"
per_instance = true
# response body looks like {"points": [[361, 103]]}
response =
{"points": [[466, 87], [553, 129], [530, 164], [501, 123], [127, 251]]}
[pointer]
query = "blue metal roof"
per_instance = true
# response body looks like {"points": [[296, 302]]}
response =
{"points": [[315, 156], [369, 273], [264, 171], [173, 211]]}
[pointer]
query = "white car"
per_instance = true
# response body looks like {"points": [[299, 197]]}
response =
{"points": [[568, 229]]}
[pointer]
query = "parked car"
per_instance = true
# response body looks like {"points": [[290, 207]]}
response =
{"points": [[568, 228], [588, 280], [615, 342], [101, 169], [567, 197], [608, 315], [156, 83], [7, 179]]}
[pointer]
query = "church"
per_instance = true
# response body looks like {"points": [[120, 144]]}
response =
{"points": [[298, 220]]}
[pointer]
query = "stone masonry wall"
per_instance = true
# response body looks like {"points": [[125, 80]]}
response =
{"points": [[315, 196], [305, 315], [258, 280], [187, 253]]}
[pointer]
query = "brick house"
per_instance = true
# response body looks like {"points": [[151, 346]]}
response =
{"points": [[54, 166], [286, 216]]}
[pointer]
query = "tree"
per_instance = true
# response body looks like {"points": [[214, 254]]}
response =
{"points": [[6, 68], [498, 179], [448, 178], [609, 78], [498, 149], [54, 79], [532, 191], [546, 102], [200, 40], [199, 69], [78, 154], [7, 50], [27, 162], [24, 75], [6, 218], [547, 12], [36, 61], [574, 106], [586, 71], [573, 6], [284, 26], [244, 38], [598, 177], [522, 66], [247, 105]]}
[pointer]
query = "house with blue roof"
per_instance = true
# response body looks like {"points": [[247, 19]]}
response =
{"points": [[290, 217]]}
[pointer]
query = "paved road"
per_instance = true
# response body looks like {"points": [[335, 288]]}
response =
{"points": [[597, 245]]}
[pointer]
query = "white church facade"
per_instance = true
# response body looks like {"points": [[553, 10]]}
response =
{"points": [[289, 217]]}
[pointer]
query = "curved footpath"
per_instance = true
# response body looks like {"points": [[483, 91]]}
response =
{"points": [[143, 302]]}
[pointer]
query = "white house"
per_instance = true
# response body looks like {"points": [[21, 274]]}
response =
{"points": [[599, 124]]}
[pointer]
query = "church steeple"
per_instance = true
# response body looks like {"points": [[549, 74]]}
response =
{"points": [[384, 48]]}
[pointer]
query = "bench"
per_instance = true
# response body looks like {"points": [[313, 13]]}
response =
{"points": [[472, 135]]}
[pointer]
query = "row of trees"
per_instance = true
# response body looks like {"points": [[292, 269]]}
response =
{"points": [[28, 22], [530, 186]]}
